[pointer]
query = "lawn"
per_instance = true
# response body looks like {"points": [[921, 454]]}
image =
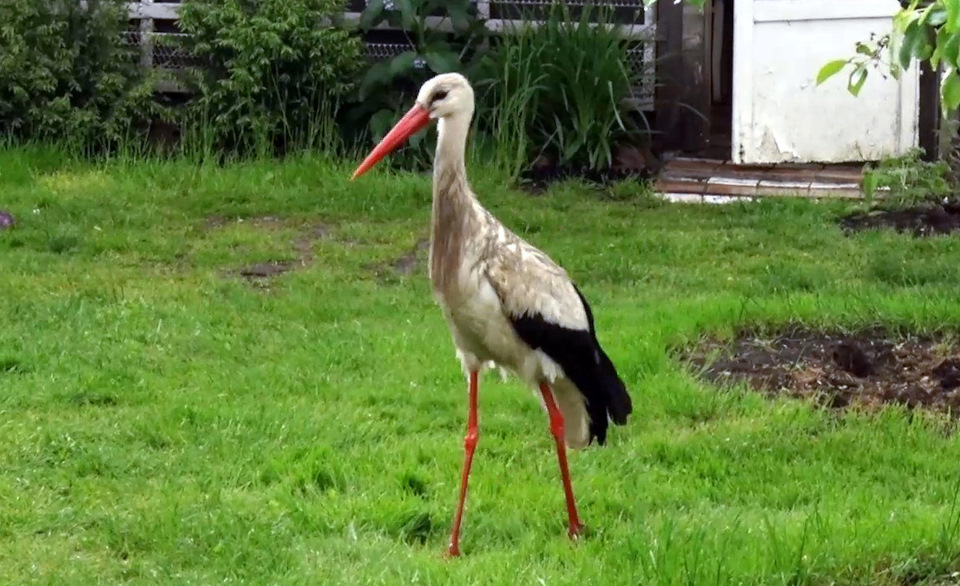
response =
{"points": [[165, 419]]}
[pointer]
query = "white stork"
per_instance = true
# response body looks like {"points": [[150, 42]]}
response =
{"points": [[507, 304]]}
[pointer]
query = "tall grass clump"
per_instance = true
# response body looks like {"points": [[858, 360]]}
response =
{"points": [[511, 100], [272, 74], [66, 75], [560, 88]]}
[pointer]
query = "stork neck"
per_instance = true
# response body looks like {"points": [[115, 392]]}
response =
{"points": [[454, 213], [452, 143], [452, 200]]}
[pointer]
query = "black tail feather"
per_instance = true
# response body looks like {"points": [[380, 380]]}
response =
{"points": [[586, 365]]}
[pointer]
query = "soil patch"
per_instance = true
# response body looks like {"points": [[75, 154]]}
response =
{"points": [[267, 269], [866, 369], [304, 243], [259, 274], [926, 219], [405, 264]]}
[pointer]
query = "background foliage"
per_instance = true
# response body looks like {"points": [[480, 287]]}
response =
{"points": [[389, 87], [271, 76], [561, 89], [65, 73]]}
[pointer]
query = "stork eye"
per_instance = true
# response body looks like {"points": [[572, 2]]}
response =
{"points": [[439, 96]]}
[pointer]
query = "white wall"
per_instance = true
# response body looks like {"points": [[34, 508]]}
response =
{"points": [[779, 112]]}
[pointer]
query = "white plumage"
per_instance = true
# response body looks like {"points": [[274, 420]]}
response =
{"points": [[507, 304]]}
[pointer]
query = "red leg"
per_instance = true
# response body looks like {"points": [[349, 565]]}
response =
{"points": [[556, 427], [469, 445]]}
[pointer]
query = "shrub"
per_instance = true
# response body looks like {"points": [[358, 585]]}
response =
{"points": [[274, 74], [390, 86], [65, 73], [561, 88]]}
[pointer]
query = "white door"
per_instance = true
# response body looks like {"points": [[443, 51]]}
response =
{"points": [[780, 114]]}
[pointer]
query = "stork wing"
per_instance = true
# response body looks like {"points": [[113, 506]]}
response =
{"points": [[549, 314], [530, 284]]}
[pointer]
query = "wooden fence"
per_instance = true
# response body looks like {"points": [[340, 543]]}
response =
{"points": [[153, 20]]}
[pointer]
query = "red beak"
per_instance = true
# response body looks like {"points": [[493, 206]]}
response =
{"points": [[413, 121]]}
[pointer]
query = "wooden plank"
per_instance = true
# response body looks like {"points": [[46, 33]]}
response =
{"points": [[157, 11]]}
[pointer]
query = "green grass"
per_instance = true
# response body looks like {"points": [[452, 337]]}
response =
{"points": [[163, 421]]}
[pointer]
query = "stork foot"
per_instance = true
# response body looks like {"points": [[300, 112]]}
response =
{"points": [[454, 551], [576, 531]]}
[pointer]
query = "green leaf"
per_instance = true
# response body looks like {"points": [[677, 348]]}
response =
{"points": [[915, 44], [870, 184], [381, 123], [857, 78], [373, 15], [903, 18], [949, 47], [442, 62], [458, 15], [952, 7], [950, 90], [402, 63], [830, 69], [377, 76], [933, 16], [408, 15]]}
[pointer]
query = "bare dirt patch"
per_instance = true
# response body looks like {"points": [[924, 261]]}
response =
{"points": [[866, 369], [267, 269], [927, 219], [407, 263], [260, 274], [404, 265]]}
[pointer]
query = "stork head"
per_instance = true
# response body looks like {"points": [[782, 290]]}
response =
{"points": [[447, 95]]}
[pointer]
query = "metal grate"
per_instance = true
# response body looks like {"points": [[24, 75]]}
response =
{"points": [[641, 61], [384, 51], [168, 55], [131, 38]]}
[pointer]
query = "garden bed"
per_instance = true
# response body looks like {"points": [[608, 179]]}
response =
{"points": [[870, 368], [926, 219]]}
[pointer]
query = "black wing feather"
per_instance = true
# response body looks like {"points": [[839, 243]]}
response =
{"points": [[584, 362]]}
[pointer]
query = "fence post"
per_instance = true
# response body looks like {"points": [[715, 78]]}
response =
{"points": [[146, 38]]}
